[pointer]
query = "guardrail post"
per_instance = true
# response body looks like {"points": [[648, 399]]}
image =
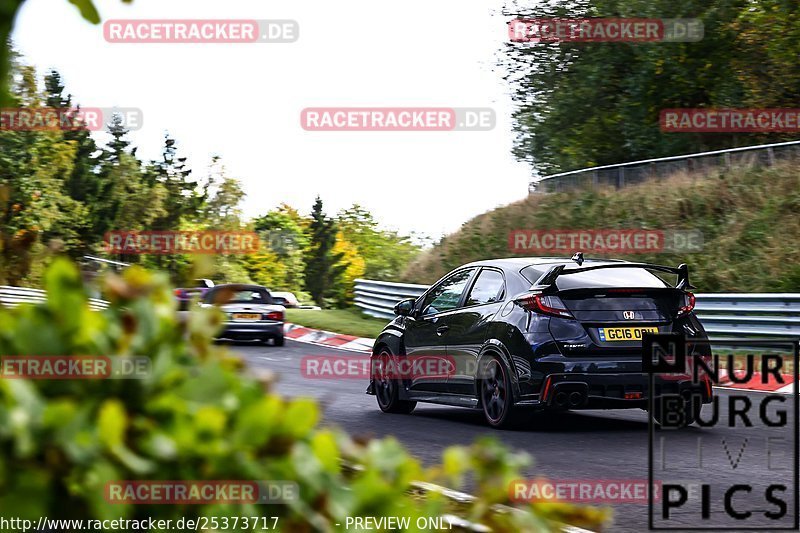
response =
{"points": [[621, 178], [771, 156]]}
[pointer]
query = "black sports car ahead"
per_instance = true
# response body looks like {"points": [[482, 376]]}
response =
{"points": [[537, 332]]}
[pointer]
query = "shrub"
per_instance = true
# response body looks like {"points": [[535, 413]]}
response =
{"points": [[199, 416]]}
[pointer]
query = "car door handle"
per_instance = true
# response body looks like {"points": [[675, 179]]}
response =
{"points": [[441, 330]]}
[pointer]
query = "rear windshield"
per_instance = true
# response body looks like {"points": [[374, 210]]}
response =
{"points": [[602, 278], [225, 295]]}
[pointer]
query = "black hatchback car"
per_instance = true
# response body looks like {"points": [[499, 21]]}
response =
{"points": [[540, 333]]}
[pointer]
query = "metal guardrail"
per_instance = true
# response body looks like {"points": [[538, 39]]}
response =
{"points": [[750, 315], [624, 174], [766, 315], [377, 298], [117, 264], [738, 315], [13, 296]]}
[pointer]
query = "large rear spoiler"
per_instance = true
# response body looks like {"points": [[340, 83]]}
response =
{"points": [[546, 283]]}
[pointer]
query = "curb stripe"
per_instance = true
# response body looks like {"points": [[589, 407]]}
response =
{"points": [[296, 332], [339, 340], [327, 338]]}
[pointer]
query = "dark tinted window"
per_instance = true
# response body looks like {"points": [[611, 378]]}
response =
{"points": [[488, 288], [609, 277], [532, 273], [446, 296], [257, 297], [594, 279]]}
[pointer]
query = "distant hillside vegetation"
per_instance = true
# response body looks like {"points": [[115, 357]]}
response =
{"points": [[750, 219]]}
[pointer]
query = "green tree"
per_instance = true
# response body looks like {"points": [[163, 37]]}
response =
{"points": [[266, 268], [183, 201], [185, 198], [385, 253], [118, 144], [128, 199], [139, 204], [224, 196], [354, 268], [83, 184], [323, 266], [586, 104], [35, 206], [32, 199], [284, 231]]}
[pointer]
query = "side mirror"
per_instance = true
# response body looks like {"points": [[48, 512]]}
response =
{"points": [[404, 307]]}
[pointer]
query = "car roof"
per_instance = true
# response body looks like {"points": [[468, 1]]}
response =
{"points": [[518, 263], [241, 287]]}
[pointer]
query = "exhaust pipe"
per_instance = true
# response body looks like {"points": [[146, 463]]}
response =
{"points": [[560, 399], [575, 399]]}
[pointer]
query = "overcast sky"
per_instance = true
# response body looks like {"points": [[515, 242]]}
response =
{"points": [[243, 101]]}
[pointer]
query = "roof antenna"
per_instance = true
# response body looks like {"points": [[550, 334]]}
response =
{"points": [[578, 258]]}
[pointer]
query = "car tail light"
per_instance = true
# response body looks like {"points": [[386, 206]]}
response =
{"points": [[178, 292], [688, 304], [546, 305], [273, 315]]}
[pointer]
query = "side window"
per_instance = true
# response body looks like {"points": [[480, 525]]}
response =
{"points": [[488, 288], [447, 294]]}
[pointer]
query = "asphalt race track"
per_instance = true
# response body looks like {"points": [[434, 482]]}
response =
{"points": [[588, 445]]}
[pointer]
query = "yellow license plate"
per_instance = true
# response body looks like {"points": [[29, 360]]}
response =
{"points": [[246, 316], [624, 334]]}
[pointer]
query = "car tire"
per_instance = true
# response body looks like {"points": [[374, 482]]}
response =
{"points": [[279, 341], [387, 390], [496, 396], [691, 409]]}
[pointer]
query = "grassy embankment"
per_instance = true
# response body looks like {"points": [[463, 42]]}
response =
{"points": [[345, 321], [750, 219]]}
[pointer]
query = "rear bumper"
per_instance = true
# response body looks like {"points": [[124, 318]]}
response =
{"points": [[615, 391], [251, 330]]}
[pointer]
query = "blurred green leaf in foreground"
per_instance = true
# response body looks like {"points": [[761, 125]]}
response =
{"points": [[199, 416]]}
